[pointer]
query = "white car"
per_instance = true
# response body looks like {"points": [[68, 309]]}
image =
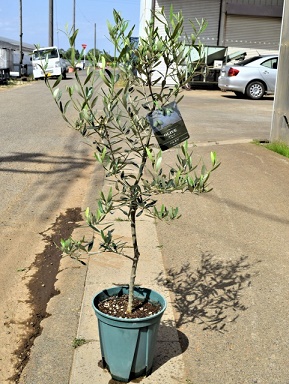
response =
{"points": [[253, 77]]}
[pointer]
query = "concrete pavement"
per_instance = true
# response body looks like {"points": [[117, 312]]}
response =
{"points": [[229, 252]]}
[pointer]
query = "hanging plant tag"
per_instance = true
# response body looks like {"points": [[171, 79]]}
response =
{"points": [[168, 126]]}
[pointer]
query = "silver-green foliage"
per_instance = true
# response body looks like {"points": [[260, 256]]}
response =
{"points": [[111, 105]]}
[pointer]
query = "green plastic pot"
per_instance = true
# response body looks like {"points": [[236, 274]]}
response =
{"points": [[128, 345]]}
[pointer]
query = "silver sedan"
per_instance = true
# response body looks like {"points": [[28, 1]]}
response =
{"points": [[253, 77]]}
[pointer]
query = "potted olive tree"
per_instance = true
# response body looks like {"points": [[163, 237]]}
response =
{"points": [[138, 114]]}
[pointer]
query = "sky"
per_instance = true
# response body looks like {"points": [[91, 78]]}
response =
{"points": [[35, 21]]}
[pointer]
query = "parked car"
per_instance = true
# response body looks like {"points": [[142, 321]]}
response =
{"points": [[67, 64], [253, 77], [80, 65]]}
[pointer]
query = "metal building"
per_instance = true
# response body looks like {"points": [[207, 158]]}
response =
{"points": [[253, 25], [236, 28], [10, 57]]}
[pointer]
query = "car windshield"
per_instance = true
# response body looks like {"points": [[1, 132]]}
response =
{"points": [[45, 53]]}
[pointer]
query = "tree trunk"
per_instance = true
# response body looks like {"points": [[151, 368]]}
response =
{"points": [[135, 257]]}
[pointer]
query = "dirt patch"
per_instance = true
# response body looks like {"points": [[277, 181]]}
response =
{"points": [[41, 285], [14, 84]]}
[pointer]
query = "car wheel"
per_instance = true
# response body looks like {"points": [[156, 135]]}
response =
{"points": [[255, 90], [187, 86]]}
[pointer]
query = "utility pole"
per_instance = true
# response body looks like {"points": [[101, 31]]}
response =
{"points": [[20, 41], [50, 40], [73, 21], [95, 41], [280, 118]]}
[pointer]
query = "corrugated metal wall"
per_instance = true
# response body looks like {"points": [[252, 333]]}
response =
{"points": [[252, 32], [192, 10], [256, 29], [257, 2], [243, 31]]}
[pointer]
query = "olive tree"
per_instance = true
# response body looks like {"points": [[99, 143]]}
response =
{"points": [[130, 91]]}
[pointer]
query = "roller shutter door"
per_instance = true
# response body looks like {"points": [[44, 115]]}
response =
{"points": [[253, 32], [192, 10]]}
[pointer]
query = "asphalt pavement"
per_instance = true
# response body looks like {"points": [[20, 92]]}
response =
{"points": [[223, 266]]}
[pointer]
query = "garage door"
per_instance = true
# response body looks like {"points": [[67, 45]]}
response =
{"points": [[253, 32], [192, 10]]}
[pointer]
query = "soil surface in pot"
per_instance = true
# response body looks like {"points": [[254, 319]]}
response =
{"points": [[117, 305]]}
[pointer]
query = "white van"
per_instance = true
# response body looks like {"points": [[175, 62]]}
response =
{"points": [[49, 59]]}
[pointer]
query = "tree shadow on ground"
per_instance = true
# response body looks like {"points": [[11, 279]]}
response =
{"points": [[212, 294], [171, 343], [32, 163]]}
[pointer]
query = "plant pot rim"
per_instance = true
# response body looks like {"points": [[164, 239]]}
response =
{"points": [[127, 320]]}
